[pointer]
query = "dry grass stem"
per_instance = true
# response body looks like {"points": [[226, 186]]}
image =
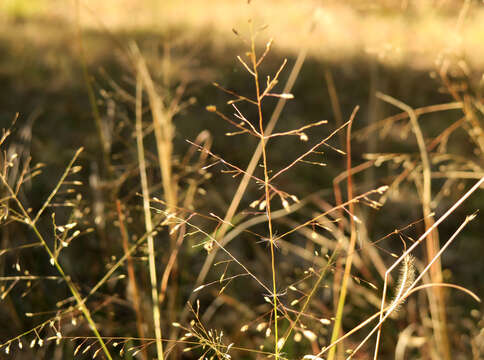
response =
{"points": [[148, 221]]}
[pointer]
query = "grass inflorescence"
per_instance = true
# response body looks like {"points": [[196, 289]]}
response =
{"points": [[153, 244]]}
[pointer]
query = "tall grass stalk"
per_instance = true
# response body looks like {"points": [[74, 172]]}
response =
{"points": [[132, 279], [351, 245], [266, 190], [411, 248], [432, 244], [163, 127], [148, 221], [105, 145], [387, 309], [53, 258], [239, 193]]}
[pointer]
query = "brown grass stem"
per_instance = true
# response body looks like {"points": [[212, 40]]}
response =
{"points": [[133, 287], [432, 244], [385, 123], [267, 193], [170, 264], [335, 104]]}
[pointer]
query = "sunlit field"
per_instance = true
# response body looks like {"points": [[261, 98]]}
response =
{"points": [[233, 179]]}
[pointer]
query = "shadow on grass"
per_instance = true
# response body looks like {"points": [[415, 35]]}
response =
{"points": [[41, 78]]}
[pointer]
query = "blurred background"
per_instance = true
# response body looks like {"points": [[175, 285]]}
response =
{"points": [[428, 54], [396, 47]]}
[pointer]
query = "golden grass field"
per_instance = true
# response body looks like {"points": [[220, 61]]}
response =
{"points": [[344, 29]]}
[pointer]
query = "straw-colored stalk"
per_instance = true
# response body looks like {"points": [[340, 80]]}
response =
{"points": [[32, 223], [148, 221], [437, 308], [351, 245]]}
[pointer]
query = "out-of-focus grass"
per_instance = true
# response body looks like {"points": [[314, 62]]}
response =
{"points": [[41, 63], [398, 32], [23, 8]]}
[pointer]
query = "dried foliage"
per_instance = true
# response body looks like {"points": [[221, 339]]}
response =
{"points": [[275, 273]]}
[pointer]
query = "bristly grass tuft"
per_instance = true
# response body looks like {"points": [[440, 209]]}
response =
{"points": [[405, 280]]}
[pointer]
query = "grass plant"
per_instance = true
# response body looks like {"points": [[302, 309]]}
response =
{"points": [[145, 249]]}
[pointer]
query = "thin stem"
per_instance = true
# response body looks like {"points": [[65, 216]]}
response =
{"points": [[432, 245], [266, 190], [315, 287], [57, 187], [132, 278], [148, 222], [386, 310], [105, 146], [31, 223], [351, 246], [234, 204], [420, 239]]}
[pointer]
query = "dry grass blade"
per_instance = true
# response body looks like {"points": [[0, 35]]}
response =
{"points": [[163, 129], [439, 313], [420, 239], [132, 278], [148, 221]]}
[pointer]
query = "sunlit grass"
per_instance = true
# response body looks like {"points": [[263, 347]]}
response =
{"points": [[412, 36], [158, 230]]}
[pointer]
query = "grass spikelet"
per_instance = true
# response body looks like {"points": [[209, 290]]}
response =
{"points": [[407, 274]]}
